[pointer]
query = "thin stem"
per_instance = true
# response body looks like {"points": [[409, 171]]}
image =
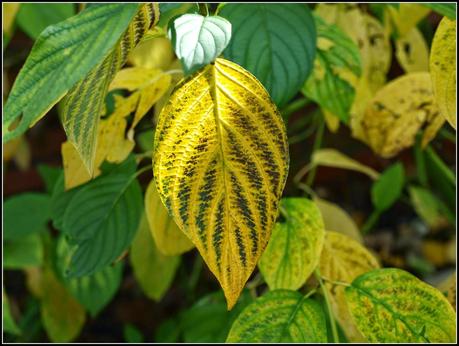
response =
{"points": [[195, 273], [144, 155], [329, 309], [371, 221], [142, 170], [310, 293], [203, 9], [317, 145], [293, 107], [219, 7], [307, 189]]}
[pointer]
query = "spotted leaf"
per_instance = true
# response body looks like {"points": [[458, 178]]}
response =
{"points": [[220, 165]]}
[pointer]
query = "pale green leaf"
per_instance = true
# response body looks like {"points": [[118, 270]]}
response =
{"points": [[280, 316], [428, 207], [9, 324], [294, 249], [388, 188], [391, 305]]}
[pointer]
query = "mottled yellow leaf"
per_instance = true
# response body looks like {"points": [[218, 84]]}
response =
{"points": [[63, 317], [169, 239], [294, 249], [153, 270], [412, 52], [344, 259], [443, 68], [407, 16], [448, 287], [220, 165], [75, 173], [176, 68], [155, 53], [363, 95], [324, 43], [338, 219], [398, 111], [334, 158], [393, 306]]}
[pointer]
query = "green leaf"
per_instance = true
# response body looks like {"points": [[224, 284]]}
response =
{"points": [[448, 10], [153, 271], [429, 207], [208, 320], [34, 18], [50, 175], [9, 325], [280, 316], [337, 69], [102, 219], [391, 305], [60, 200], [199, 40], [276, 42], [294, 248], [84, 103], [56, 63], [171, 10], [93, 291], [23, 252], [168, 331], [25, 214], [388, 188], [132, 334]]}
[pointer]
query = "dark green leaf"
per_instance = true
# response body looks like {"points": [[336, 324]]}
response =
{"points": [[337, 61], [132, 334], [448, 10], [9, 325], [276, 42], [34, 18], [199, 40], [388, 188], [168, 331], [56, 63], [24, 214], [50, 176], [209, 319], [23, 252]]}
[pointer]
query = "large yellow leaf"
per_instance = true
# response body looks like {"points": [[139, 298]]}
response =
{"points": [[398, 111], [153, 53], [220, 165], [111, 144], [406, 16], [343, 259], [412, 52], [149, 84], [334, 158], [169, 239], [443, 68], [338, 219]]}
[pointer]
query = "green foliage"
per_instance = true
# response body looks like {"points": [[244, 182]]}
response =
{"points": [[34, 18], [275, 42], [280, 316], [9, 325], [132, 334], [199, 40], [25, 214], [23, 252], [387, 189], [448, 10], [391, 305]]}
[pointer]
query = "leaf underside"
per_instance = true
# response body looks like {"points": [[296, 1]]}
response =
{"points": [[220, 165]]}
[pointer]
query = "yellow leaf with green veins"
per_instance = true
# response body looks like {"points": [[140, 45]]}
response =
{"points": [[294, 248], [220, 165], [448, 288], [169, 239], [391, 305], [443, 69], [412, 52], [343, 259], [398, 111], [84, 103]]}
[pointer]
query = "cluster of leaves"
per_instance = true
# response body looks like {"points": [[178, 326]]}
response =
{"points": [[220, 162]]}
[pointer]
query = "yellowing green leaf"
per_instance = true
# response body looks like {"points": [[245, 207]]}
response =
{"points": [[331, 120], [9, 324], [9, 12], [412, 52], [343, 259], [169, 239], [150, 84], [83, 104], [63, 317], [428, 207], [280, 316], [398, 111], [448, 287], [111, 144], [220, 164], [152, 269], [443, 69], [407, 16], [152, 54], [294, 248], [333, 158], [391, 305], [337, 219]]}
